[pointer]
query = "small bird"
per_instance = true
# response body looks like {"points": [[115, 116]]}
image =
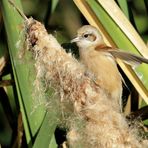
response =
{"points": [[100, 60]]}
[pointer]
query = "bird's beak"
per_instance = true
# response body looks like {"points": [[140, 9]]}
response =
{"points": [[77, 39]]}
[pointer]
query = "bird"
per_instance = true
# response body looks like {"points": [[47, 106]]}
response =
{"points": [[101, 60]]}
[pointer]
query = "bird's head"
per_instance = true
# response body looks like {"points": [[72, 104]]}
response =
{"points": [[87, 37]]}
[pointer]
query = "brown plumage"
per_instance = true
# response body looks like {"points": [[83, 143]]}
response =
{"points": [[101, 61]]}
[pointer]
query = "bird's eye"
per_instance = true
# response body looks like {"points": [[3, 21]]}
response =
{"points": [[89, 37], [86, 35]]}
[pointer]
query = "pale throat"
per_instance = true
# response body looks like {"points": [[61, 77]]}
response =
{"points": [[85, 52]]}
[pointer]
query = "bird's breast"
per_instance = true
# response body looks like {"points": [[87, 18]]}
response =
{"points": [[103, 66]]}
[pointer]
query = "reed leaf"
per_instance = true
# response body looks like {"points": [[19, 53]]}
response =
{"points": [[32, 107]]}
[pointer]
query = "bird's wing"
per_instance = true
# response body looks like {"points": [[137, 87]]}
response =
{"points": [[127, 57]]}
